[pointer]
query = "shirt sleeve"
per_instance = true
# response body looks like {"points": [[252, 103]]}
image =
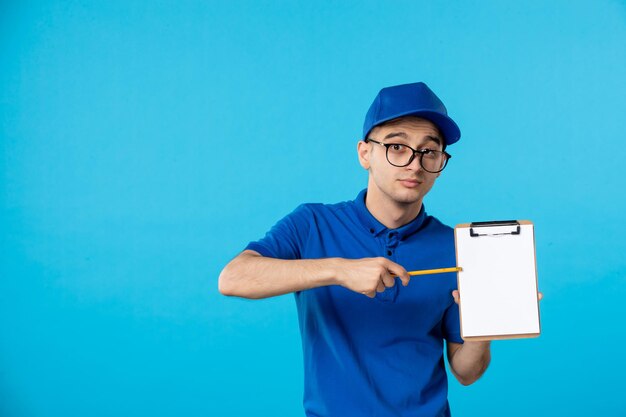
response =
{"points": [[286, 239], [451, 324]]}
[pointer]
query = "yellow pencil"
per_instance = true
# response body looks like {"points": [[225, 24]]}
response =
{"points": [[435, 271]]}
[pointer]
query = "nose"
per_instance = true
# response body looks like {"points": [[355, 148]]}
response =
{"points": [[415, 164]]}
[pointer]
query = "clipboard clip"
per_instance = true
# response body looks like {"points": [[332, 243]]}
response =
{"points": [[495, 223]]}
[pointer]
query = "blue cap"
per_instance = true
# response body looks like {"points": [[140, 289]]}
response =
{"points": [[414, 99]]}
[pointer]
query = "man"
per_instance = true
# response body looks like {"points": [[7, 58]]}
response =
{"points": [[372, 337]]}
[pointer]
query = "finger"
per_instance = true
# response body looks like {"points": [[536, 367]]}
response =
{"points": [[370, 294], [455, 295], [380, 287], [389, 281], [540, 296], [397, 270]]}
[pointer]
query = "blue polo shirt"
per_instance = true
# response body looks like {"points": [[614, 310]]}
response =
{"points": [[364, 356]]}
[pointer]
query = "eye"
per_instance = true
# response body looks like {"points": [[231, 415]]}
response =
{"points": [[397, 148]]}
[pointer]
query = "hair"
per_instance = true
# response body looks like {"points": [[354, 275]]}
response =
{"points": [[402, 118]]}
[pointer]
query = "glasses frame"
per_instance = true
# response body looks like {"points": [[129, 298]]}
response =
{"points": [[421, 153]]}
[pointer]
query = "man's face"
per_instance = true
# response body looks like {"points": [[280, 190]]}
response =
{"points": [[402, 185]]}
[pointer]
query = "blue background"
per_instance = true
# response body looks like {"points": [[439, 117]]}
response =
{"points": [[143, 144]]}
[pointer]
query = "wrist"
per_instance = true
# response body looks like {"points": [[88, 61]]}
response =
{"points": [[478, 344], [477, 348], [331, 273]]}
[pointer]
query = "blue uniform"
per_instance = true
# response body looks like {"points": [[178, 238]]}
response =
{"points": [[364, 356]]}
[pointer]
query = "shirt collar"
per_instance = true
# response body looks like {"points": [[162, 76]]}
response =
{"points": [[375, 228]]}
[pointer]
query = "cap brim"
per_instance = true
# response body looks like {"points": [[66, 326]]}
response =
{"points": [[449, 129]]}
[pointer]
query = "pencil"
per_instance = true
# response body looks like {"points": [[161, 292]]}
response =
{"points": [[435, 271]]}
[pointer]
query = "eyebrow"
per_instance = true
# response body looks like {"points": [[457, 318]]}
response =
{"points": [[435, 139]]}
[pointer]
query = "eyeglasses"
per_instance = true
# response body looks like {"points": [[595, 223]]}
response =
{"points": [[400, 155]]}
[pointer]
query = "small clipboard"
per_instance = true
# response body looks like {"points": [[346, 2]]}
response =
{"points": [[498, 281]]}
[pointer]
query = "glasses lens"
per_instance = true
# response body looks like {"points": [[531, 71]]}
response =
{"points": [[399, 155], [433, 161]]}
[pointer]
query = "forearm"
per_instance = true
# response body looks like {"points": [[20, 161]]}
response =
{"points": [[470, 361], [251, 276]]}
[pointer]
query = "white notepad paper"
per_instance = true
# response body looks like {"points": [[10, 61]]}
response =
{"points": [[498, 282]]}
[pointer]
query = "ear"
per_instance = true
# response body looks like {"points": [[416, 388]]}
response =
{"points": [[364, 150]]}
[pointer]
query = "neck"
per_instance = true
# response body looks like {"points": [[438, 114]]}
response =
{"points": [[391, 213]]}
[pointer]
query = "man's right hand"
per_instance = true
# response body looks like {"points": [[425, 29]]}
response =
{"points": [[250, 275], [369, 275]]}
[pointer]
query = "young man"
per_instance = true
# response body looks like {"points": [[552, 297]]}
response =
{"points": [[372, 337]]}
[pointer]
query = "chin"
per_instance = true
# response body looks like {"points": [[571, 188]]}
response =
{"points": [[408, 196]]}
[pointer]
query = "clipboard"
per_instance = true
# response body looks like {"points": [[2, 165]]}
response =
{"points": [[498, 281]]}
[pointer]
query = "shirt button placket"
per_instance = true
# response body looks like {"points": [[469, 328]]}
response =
{"points": [[391, 242]]}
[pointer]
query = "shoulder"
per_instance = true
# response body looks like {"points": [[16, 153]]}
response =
{"points": [[437, 231], [437, 225], [320, 216]]}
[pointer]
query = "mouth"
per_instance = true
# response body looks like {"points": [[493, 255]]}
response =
{"points": [[409, 183]]}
